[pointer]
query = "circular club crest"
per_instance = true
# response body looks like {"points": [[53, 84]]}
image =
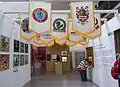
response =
{"points": [[59, 25], [40, 15]]}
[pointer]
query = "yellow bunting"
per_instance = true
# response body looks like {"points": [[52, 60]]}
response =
{"points": [[70, 44], [37, 40], [50, 44], [84, 41], [46, 37], [61, 42], [73, 37]]}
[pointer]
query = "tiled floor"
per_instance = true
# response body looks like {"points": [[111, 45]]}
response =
{"points": [[68, 80]]}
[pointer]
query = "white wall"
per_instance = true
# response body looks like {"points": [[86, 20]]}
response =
{"points": [[8, 78], [104, 54]]}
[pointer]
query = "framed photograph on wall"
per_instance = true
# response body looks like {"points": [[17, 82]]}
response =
{"points": [[4, 62], [64, 53], [22, 47], [26, 59], [26, 48], [16, 46], [64, 59], [22, 60], [15, 60], [4, 43]]}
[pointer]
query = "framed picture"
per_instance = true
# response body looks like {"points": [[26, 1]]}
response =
{"points": [[16, 46], [4, 43], [64, 59], [22, 60], [22, 47], [64, 53], [26, 48], [15, 60], [4, 62], [26, 59]]}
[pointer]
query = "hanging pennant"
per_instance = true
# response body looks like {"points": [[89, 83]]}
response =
{"points": [[61, 42], [59, 26], [25, 32], [40, 16], [83, 18], [69, 43], [37, 40], [97, 32], [46, 37], [84, 41], [73, 37]]}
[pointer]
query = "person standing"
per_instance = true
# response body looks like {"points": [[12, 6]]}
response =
{"points": [[83, 69]]}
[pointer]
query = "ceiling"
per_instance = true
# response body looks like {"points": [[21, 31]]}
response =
{"points": [[64, 4]]}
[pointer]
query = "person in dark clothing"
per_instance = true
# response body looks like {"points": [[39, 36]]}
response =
{"points": [[58, 58]]}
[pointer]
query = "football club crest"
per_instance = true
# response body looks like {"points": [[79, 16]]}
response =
{"points": [[82, 14], [40, 15], [59, 25]]}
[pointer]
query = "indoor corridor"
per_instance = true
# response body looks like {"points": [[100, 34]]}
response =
{"points": [[68, 80]]}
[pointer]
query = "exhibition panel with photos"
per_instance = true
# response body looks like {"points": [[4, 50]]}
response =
{"points": [[14, 54]]}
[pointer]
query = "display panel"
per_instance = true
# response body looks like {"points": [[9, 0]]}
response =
{"points": [[4, 43], [15, 60], [4, 62], [16, 46], [22, 48], [22, 61], [53, 56]]}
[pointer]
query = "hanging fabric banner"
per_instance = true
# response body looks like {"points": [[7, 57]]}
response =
{"points": [[84, 41], [69, 43], [46, 37], [25, 32], [73, 37], [61, 42], [40, 16], [37, 40], [82, 14], [97, 32], [59, 26]]}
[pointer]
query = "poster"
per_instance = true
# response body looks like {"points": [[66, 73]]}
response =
{"points": [[16, 46], [21, 60], [4, 43], [22, 47], [26, 59], [26, 48], [15, 60], [4, 62]]}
